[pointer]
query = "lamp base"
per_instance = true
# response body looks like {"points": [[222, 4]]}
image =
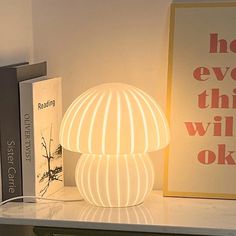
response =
{"points": [[114, 180]]}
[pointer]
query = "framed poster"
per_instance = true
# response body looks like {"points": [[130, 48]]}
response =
{"points": [[201, 158]]}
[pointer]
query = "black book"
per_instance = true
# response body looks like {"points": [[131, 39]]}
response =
{"points": [[10, 137]]}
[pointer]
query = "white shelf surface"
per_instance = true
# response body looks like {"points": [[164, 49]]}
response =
{"points": [[157, 214]]}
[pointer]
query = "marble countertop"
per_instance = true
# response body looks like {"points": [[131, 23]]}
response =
{"points": [[157, 214]]}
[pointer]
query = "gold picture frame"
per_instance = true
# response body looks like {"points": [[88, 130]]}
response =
{"points": [[183, 17]]}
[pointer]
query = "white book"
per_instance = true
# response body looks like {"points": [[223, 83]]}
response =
{"points": [[41, 114]]}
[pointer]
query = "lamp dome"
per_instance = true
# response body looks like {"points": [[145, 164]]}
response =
{"points": [[114, 118]]}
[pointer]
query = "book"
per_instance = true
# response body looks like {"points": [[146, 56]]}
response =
{"points": [[24, 63], [41, 114], [10, 145]]}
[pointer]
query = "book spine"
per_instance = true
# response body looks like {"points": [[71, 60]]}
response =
{"points": [[27, 140], [10, 136]]}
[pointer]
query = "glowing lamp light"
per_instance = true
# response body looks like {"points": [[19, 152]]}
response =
{"points": [[114, 125]]}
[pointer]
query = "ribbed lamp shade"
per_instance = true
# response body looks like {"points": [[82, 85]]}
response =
{"points": [[114, 126], [114, 119]]}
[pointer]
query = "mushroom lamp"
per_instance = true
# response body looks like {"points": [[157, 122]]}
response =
{"points": [[114, 126]]}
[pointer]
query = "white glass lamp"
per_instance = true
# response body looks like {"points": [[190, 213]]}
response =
{"points": [[115, 126]]}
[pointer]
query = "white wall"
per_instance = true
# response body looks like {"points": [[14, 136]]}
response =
{"points": [[15, 31], [89, 42]]}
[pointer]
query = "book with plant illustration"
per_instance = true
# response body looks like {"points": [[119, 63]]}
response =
{"points": [[42, 160]]}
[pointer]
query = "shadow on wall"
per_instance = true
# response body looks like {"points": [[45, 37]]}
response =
{"points": [[16, 31]]}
